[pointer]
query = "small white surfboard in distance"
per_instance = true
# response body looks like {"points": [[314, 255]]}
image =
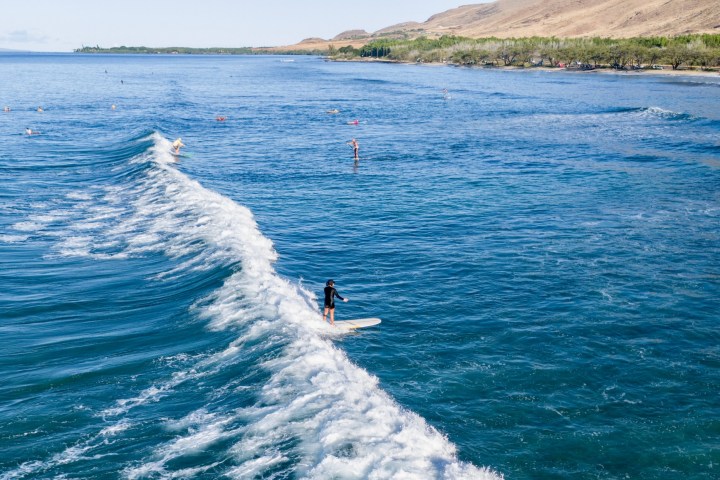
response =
{"points": [[357, 323]]}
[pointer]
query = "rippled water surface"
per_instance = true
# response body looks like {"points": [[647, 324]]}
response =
{"points": [[543, 249]]}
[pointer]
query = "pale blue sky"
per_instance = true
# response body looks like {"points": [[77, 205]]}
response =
{"points": [[62, 25]]}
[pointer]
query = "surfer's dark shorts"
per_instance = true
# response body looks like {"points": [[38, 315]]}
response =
{"points": [[330, 306]]}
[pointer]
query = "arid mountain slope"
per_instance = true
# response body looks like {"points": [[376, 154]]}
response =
{"points": [[560, 18], [579, 18]]}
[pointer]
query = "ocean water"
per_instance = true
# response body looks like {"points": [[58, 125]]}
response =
{"points": [[543, 249]]}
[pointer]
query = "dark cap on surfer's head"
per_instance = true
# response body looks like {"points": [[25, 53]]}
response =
{"points": [[330, 283]]}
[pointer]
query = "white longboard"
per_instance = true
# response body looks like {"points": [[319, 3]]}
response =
{"points": [[179, 154], [357, 323]]}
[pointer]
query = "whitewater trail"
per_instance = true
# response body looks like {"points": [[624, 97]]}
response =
{"points": [[331, 416]]}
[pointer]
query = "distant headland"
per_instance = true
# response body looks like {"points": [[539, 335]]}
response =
{"points": [[167, 50]]}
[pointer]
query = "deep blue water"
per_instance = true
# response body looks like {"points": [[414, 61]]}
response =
{"points": [[543, 249]]}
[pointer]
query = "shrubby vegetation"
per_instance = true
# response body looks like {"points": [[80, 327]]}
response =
{"points": [[686, 50], [199, 51]]}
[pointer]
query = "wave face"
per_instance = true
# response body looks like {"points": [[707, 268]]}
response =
{"points": [[310, 413]]}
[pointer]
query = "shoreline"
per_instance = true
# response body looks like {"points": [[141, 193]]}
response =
{"points": [[666, 71]]}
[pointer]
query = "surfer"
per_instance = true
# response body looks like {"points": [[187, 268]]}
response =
{"points": [[177, 144], [354, 122], [356, 148], [6, 109], [30, 131], [40, 109], [330, 294], [334, 111]]}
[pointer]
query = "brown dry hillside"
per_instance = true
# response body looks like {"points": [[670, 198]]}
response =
{"points": [[580, 18], [560, 18]]}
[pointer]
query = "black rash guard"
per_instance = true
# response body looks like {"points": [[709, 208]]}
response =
{"points": [[330, 294]]}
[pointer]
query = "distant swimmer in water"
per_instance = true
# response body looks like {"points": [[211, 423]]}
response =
{"points": [[30, 131], [177, 145], [220, 118], [6, 109], [334, 111], [353, 122], [40, 109], [113, 107], [330, 295], [356, 148]]}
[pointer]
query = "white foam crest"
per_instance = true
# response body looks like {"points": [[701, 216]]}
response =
{"points": [[75, 246], [189, 421], [204, 430], [28, 226], [197, 440], [658, 112], [116, 428], [151, 394], [78, 196], [204, 365], [88, 226], [185, 473], [157, 470], [256, 294], [255, 467], [23, 470], [154, 215], [13, 238], [71, 454], [345, 425], [161, 150], [342, 423], [165, 211], [42, 219]]}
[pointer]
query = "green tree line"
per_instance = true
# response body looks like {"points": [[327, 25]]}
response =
{"points": [[168, 50], [685, 50]]}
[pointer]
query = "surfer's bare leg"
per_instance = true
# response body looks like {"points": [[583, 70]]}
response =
{"points": [[332, 315]]}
